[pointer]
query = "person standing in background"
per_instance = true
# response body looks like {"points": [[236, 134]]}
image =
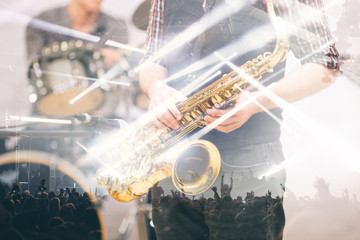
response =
{"points": [[70, 45], [81, 15], [248, 140]]}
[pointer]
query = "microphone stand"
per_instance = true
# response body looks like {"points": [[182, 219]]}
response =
{"points": [[98, 124]]}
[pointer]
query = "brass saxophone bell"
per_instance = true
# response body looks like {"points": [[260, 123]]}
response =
{"points": [[196, 168], [198, 165], [193, 172]]}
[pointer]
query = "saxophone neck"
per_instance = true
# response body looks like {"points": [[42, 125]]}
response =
{"points": [[282, 44]]}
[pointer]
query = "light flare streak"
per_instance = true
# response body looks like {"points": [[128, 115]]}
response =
{"points": [[81, 77], [206, 77], [51, 27], [112, 43], [279, 167], [189, 34], [329, 141], [215, 16], [223, 118], [114, 71], [275, 118], [40, 120], [92, 154]]}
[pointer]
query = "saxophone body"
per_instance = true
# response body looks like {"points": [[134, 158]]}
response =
{"points": [[146, 157]]}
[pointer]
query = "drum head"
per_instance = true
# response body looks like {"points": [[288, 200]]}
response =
{"points": [[56, 105], [60, 74]]}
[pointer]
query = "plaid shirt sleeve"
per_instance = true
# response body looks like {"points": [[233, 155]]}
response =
{"points": [[309, 35], [154, 39]]}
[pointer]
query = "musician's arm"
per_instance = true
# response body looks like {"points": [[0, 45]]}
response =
{"points": [[303, 82], [313, 45], [162, 97], [151, 75]]}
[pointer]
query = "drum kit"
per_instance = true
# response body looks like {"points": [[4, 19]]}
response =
{"points": [[60, 73], [63, 71]]}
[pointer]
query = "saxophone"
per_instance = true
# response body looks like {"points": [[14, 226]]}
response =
{"points": [[144, 156]]}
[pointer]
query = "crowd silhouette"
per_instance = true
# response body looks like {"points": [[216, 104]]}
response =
{"points": [[176, 216], [324, 216], [52, 216], [70, 215]]}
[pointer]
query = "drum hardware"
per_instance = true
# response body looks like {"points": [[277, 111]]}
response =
{"points": [[66, 141], [63, 173], [131, 100], [95, 122], [65, 70], [62, 71], [100, 122], [141, 15], [80, 172]]}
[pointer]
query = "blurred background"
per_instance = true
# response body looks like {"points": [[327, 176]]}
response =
{"points": [[321, 134]]}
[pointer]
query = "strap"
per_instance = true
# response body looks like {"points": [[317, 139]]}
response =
{"points": [[207, 6]]}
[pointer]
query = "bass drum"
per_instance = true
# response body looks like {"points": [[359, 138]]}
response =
{"points": [[61, 72], [29, 167]]}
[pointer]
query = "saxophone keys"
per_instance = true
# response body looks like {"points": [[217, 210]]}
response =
{"points": [[217, 101], [154, 141], [142, 149], [187, 117], [227, 94], [201, 123], [161, 133], [208, 105], [195, 113]]}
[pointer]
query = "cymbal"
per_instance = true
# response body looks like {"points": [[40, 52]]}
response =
{"points": [[141, 15]]}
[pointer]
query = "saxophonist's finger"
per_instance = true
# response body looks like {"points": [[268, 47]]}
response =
{"points": [[178, 97], [158, 120], [167, 118], [173, 109], [156, 113], [159, 124]]}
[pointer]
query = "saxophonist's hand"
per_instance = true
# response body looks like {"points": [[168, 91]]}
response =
{"points": [[236, 119], [162, 105]]}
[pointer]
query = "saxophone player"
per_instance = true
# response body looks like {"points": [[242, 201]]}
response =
{"points": [[248, 140]]}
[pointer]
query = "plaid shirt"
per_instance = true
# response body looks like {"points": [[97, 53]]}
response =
{"points": [[311, 41]]}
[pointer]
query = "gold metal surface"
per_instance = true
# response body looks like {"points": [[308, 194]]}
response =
{"points": [[142, 153]]}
